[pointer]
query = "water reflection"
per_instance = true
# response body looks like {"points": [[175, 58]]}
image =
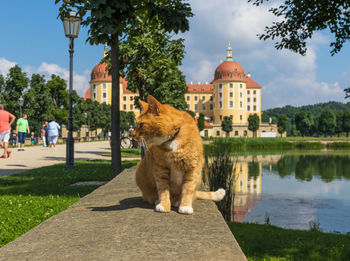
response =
{"points": [[293, 190]]}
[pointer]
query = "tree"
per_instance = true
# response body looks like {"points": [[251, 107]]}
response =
{"points": [[192, 113], [127, 119], [253, 123], [327, 122], [346, 123], [282, 123], [108, 23], [16, 82], [226, 125], [152, 60], [339, 119], [304, 122], [300, 19], [201, 122]]}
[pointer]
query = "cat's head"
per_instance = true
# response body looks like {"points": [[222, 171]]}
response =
{"points": [[157, 122]]}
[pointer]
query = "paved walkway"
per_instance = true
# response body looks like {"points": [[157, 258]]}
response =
{"points": [[113, 223], [38, 156]]}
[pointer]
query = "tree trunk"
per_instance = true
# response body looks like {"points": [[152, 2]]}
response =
{"points": [[116, 165]]}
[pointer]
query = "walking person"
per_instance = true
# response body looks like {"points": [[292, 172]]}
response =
{"points": [[22, 128], [43, 135], [32, 139], [46, 133], [53, 128], [5, 130], [14, 138]]}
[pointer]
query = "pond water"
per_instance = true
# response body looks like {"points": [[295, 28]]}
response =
{"points": [[294, 190]]}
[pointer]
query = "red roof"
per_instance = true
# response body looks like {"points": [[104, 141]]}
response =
{"points": [[200, 88], [100, 73], [229, 71], [87, 95], [251, 83]]}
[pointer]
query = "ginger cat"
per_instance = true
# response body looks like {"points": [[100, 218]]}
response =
{"points": [[171, 171]]}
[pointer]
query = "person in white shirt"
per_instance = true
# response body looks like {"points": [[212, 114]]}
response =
{"points": [[52, 129]]}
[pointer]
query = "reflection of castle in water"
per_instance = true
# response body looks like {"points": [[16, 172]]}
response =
{"points": [[247, 187]]}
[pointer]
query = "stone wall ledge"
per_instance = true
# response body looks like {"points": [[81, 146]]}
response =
{"points": [[113, 223]]}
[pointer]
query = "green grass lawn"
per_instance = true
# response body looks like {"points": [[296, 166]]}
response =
{"points": [[127, 153], [266, 242], [29, 198]]}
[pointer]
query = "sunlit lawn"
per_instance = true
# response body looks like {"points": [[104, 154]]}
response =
{"points": [[29, 198]]}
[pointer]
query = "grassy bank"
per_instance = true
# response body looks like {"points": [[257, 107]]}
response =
{"points": [[266, 242], [127, 153], [29, 198], [243, 144]]}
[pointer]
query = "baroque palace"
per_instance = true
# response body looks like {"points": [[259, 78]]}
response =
{"points": [[232, 93]]}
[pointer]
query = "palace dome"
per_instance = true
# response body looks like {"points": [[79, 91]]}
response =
{"points": [[100, 73], [229, 71]]}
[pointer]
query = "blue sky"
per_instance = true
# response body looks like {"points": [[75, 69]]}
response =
{"points": [[33, 38]]}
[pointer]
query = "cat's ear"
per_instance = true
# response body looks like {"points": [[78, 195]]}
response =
{"points": [[143, 105], [153, 105]]}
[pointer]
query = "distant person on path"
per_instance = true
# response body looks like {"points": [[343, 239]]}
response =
{"points": [[22, 129], [32, 139], [46, 133], [14, 138], [53, 128], [43, 135], [5, 130]]}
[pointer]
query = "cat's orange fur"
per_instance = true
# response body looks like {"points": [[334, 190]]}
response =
{"points": [[171, 171]]}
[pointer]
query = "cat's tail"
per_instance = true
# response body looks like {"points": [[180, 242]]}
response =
{"points": [[211, 195]]}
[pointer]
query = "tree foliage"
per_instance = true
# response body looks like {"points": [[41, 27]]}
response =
{"points": [[109, 23], [301, 19], [253, 123], [327, 123], [226, 125], [304, 122], [201, 122], [282, 123]]}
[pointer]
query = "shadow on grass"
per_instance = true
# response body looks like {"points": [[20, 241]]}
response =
{"points": [[135, 202], [56, 179]]}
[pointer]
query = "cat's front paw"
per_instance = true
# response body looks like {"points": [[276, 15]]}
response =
{"points": [[186, 210], [161, 208]]}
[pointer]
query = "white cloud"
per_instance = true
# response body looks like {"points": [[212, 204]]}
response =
{"points": [[80, 81], [5, 65], [286, 77]]}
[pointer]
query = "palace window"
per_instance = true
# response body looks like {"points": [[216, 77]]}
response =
{"points": [[131, 107], [211, 98], [218, 133], [236, 133], [196, 107], [240, 105], [231, 94], [94, 96], [230, 75], [104, 95], [104, 75], [240, 86], [248, 108], [245, 133], [231, 85], [188, 106], [104, 86], [124, 98], [203, 107], [124, 107], [231, 104], [231, 117], [220, 85], [254, 99], [254, 92], [240, 95], [220, 104], [211, 107], [220, 117], [94, 86], [248, 100], [254, 107], [188, 97], [240, 76], [131, 98], [240, 117], [195, 98], [203, 98], [220, 94], [206, 134], [248, 92]]}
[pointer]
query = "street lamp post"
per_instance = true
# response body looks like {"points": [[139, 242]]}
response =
{"points": [[71, 25], [20, 103]]}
